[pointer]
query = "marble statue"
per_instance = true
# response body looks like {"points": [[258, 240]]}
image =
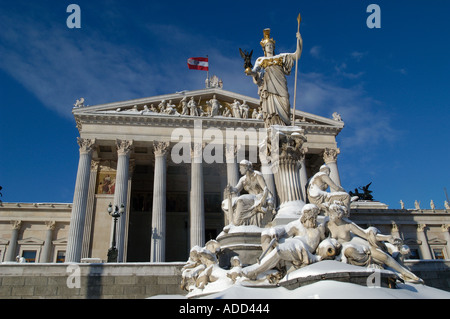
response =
{"points": [[162, 106], [193, 109], [79, 103], [201, 267], [245, 110], [296, 243], [236, 269], [269, 74], [337, 117], [20, 259], [227, 113], [184, 106], [170, 108], [236, 109], [416, 205], [214, 106], [317, 190], [364, 247], [191, 269], [251, 208]]}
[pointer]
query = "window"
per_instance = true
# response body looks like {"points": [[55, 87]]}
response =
{"points": [[414, 254], [60, 256], [438, 253], [29, 255]]}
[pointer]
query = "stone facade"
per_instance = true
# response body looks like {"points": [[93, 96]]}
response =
{"points": [[89, 281], [169, 169]]}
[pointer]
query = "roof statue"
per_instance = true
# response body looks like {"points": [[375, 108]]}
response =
{"points": [[269, 74], [248, 66], [79, 103], [365, 195]]}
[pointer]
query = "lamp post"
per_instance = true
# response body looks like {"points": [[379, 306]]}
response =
{"points": [[116, 213]]}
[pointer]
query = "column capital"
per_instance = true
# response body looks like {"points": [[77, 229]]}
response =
{"points": [[197, 150], [50, 225], [395, 227], [95, 164], [330, 154], [124, 147], [86, 145], [16, 224], [445, 227], [421, 227], [160, 148]]}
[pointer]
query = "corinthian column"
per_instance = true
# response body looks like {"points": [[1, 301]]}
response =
{"points": [[285, 154], [124, 149], [303, 174], [45, 256], [158, 240], [424, 248], [330, 158], [232, 165], [11, 252], [445, 229], [197, 213], [80, 196]]}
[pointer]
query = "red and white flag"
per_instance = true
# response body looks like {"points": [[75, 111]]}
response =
{"points": [[198, 64]]}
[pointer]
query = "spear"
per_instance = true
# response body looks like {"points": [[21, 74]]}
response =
{"points": [[299, 19]]}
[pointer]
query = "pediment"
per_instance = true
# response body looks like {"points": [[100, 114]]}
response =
{"points": [[148, 108], [31, 241], [437, 241], [61, 241]]}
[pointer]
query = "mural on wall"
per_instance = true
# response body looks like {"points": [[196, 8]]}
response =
{"points": [[106, 182]]}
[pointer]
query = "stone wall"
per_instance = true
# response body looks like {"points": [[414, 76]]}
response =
{"points": [[89, 281], [134, 280], [435, 273]]}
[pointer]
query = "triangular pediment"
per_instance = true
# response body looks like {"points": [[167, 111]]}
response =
{"points": [[151, 106], [437, 241], [31, 241]]}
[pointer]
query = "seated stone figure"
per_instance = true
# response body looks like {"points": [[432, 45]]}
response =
{"points": [[296, 243], [317, 190], [251, 208], [201, 267], [192, 268], [363, 247]]}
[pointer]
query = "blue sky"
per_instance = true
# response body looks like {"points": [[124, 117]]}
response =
{"points": [[390, 85]]}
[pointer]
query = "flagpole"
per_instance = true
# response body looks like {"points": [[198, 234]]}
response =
{"points": [[299, 19], [207, 74]]}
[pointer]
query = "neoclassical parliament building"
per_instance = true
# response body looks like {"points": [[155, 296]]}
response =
{"points": [[140, 156]]}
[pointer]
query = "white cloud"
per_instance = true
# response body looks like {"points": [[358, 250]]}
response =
{"points": [[364, 122], [358, 55], [315, 51]]}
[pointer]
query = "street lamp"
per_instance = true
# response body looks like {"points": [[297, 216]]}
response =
{"points": [[116, 213]]}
